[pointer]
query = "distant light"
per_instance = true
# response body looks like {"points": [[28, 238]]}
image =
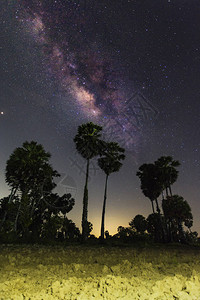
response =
{"points": [[2, 112]]}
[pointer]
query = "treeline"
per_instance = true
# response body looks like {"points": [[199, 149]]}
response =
{"points": [[172, 221], [33, 212]]}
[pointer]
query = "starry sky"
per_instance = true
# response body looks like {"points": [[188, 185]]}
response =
{"points": [[130, 66]]}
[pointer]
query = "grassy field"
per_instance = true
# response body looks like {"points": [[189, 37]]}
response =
{"points": [[99, 272]]}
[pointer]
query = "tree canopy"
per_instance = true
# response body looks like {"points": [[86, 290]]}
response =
{"points": [[31, 203]]}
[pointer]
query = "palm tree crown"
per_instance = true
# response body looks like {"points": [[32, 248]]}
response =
{"points": [[27, 166], [87, 140], [150, 182], [168, 173], [111, 156]]}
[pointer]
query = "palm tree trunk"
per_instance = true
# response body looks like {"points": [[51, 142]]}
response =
{"points": [[157, 206], [152, 207], [170, 190], [162, 237], [104, 208], [17, 216], [85, 204]]}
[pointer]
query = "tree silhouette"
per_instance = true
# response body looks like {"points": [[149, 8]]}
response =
{"points": [[153, 226], [88, 145], [151, 185], [29, 173], [52, 205], [139, 223], [107, 234], [177, 212], [8, 211], [155, 178], [168, 173], [27, 166], [89, 228], [109, 162], [69, 229]]}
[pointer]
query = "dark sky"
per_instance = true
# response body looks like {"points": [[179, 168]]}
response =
{"points": [[131, 66]]}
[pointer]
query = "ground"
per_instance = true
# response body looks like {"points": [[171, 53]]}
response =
{"points": [[39, 272]]}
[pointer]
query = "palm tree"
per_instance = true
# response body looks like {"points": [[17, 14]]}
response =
{"points": [[152, 187], [30, 176], [109, 162], [88, 145], [168, 172], [28, 169], [150, 183]]}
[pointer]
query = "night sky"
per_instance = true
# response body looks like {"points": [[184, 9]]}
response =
{"points": [[131, 66]]}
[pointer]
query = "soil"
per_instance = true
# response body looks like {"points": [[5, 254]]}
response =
{"points": [[39, 272]]}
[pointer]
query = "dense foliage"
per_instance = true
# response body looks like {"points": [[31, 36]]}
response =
{"points": [[32, 211]]}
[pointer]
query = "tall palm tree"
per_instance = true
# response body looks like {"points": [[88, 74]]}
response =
{"points": [[88, 145], [109, 162], [168, 172]]}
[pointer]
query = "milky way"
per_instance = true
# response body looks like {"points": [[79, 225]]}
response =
{"points": [[116, 63], [73, 42]]}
